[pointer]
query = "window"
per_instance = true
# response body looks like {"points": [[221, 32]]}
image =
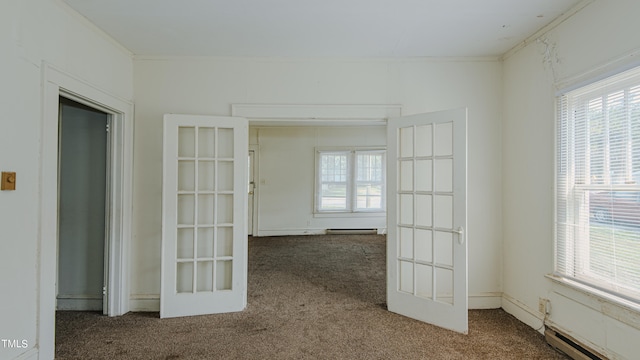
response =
{"points": [[598, 185], [351, 181]]}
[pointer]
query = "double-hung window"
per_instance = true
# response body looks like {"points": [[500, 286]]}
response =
{"points": [[350, 180], [598, 185]]}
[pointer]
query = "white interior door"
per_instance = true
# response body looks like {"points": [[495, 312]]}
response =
{"points": [[204, 200], [426, 243]]}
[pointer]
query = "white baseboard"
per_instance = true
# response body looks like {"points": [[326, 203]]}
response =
{"points": [[299, 232], [490, 300], [144, 303], [31, 354], [289, 232], [523, 313], [79, 303]]}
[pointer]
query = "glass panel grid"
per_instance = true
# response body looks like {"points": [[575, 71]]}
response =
{"points": [[205, 200], [425, 202]]}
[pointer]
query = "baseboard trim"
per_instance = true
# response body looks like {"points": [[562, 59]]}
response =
{"points": [[79, 303], [144, 303], [289, 232], [482, 301], [31, 354], [523, 313]]}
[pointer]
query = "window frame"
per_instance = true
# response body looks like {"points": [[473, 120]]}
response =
{"points": [[351, 208], [574, 237]]}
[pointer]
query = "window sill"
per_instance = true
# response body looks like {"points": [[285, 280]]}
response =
{"points": [[613, 306], [338, 214]]}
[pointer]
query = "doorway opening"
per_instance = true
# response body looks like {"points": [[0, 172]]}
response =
{"points": [[83, 221]]}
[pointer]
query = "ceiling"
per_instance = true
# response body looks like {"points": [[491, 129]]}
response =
{"points": [[321, 28]]}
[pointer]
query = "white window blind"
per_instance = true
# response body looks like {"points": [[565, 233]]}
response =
{"points": [[351, 181], [598, 185]]}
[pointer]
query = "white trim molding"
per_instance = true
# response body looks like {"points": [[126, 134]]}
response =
{"points": [[145, 303], [315, 115], [523, 312]]}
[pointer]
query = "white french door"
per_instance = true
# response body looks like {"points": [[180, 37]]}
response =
{"points": [[204, 211], [426, 215]]}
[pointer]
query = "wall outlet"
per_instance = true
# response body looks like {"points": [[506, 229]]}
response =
{"points": [[544, 306]]}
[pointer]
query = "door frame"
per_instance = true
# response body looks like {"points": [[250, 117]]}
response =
{"points": [[256, 173], [56, 83], [266, 115]]}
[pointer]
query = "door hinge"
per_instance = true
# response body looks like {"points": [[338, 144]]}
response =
{"points": [[108, 127], [104, 290]]}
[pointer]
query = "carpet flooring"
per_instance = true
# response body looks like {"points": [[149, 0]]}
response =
{"points": [[309, 297]]}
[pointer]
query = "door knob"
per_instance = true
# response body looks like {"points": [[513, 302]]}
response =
{"points": [[460, 232]]}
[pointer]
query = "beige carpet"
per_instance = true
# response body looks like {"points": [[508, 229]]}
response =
{"points": [[313, 297]]}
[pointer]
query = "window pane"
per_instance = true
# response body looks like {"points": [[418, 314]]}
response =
{"points": [[369, 180], [369, 167], [333, 197], [333, 167], [369, 197]]}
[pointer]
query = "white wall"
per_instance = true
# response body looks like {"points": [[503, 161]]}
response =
{"points": [[600, 33], [211, 85], [286, 178], [32, 31]]}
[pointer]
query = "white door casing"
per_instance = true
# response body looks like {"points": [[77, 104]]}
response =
{"points": [[204, 226], [251, 191], [426, 215]]}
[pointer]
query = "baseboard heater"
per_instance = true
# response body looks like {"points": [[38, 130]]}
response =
{"points": [[570, 346], [351, 231]]}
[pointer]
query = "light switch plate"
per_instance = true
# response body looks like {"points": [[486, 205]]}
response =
{"points": [[8, 181]]}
